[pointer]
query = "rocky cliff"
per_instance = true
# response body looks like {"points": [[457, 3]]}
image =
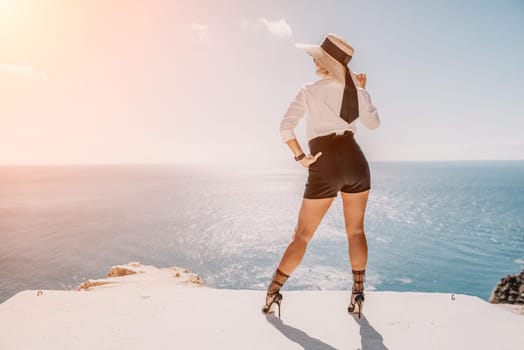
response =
{"points": [[510, 290]]}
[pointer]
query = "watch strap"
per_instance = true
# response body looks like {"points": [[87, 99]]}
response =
{"points": [[299, 157]]}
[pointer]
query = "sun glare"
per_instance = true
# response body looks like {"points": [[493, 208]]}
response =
{"points": [[7, 7]]}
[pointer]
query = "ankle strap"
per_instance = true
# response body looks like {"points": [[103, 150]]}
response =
{"points": [[281, 273]]}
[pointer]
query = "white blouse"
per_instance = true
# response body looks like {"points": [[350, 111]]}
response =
{"points": [[320, 101]]}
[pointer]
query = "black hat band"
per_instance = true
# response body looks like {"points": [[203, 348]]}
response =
{"points": [[335, 51]]}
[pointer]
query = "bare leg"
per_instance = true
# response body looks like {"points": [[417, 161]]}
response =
{"points": [[354, 210], [311, 213]]}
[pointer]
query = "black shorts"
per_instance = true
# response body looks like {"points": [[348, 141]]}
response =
{"points": [[341, 167]]}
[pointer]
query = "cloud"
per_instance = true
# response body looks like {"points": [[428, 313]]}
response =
{"points": [[17, 69], [201, 32], [278, 28]]}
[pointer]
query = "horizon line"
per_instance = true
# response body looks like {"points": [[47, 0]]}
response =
{"points": [[229, 163]]}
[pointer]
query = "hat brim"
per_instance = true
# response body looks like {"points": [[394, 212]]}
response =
{"points": [[311, 49], [333, 66]]}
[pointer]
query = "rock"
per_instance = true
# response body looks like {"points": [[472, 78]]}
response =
{"points": [[140, 275], [119, 271], [509, 290], [92, 283]]}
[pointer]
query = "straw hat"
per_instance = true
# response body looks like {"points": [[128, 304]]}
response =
{"points": [[334, 53]]}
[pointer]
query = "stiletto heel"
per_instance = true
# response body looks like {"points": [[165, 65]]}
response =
{"points": [[357, 299], [273, 295], [357, 293], [268, 308]]}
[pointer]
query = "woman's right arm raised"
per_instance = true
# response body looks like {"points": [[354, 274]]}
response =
{"points": [[368, 114]]}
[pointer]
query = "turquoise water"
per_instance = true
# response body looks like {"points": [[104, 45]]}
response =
{"points": [[454, 227]]}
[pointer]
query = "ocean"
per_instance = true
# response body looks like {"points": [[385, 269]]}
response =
{"points": [[450, 227]]}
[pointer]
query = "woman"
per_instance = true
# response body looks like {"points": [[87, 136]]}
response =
{"points": [[335, 163]]}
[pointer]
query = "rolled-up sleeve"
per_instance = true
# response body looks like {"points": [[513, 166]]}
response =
{"points": [[295, 111], [368, 113]]}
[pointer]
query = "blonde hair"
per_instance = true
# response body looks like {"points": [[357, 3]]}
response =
{"points": [[322, 70]]}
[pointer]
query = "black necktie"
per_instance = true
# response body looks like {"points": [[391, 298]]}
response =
{"points": [[349, 108]]}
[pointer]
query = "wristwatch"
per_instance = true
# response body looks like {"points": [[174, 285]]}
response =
{"points": [[299, 157]]}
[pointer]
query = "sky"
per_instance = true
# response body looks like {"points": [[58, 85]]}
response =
{"points": [[91, 81]]}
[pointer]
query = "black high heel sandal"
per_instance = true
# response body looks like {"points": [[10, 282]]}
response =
{"points": [[357, 300], [268, 308], [273, 295], [357, 292]]}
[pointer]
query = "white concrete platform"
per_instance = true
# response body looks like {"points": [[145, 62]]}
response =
{"points": [[164, 316]]}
